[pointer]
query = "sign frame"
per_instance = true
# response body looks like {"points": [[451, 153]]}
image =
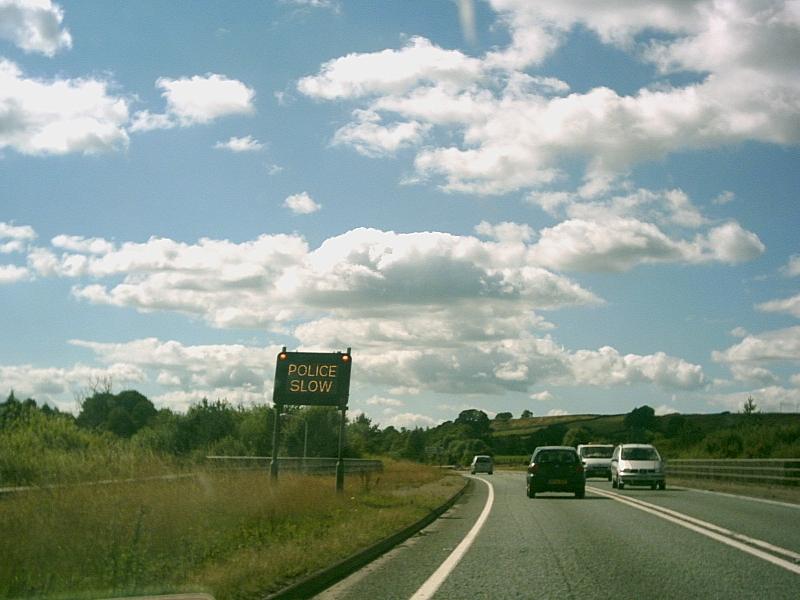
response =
{"points": [[312, 378]]}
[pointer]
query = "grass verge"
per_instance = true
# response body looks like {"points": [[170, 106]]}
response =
{"points": [[231, 534]]}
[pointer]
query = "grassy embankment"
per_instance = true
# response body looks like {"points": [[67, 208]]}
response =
{"points": [[232, 534]]}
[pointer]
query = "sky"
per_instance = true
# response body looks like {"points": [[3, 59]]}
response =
{"points": [[567, 208]]}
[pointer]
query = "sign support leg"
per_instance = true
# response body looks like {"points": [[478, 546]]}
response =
{"points": [[340, 462], [276, 432]]}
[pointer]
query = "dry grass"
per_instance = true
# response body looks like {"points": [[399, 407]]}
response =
{"points": [[232, 534]]}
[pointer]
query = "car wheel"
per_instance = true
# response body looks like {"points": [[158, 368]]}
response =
{"points": [[652, 486], [490, 472], [530, 491], [662, 485], [609, 476], [620, 484], [580, 493], [613, 483]]}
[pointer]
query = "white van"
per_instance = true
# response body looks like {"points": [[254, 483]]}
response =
{"points": [[596, 459]]}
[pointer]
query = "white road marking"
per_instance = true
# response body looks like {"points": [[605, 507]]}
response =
{"points": [[428, 589], [720, 534], [739, 496]]}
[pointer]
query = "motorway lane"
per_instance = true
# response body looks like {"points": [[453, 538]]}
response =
{"points": [[555, 546], [776, 523]]}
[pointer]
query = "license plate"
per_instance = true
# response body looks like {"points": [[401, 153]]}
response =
{"points": [[557, 482]]}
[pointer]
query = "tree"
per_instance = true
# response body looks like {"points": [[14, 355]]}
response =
{"points": [[749, 406], [503, 416], [643, 417], [576, 435], [526, 414], [476, 420]]}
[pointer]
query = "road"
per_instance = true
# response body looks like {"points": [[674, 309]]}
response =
{"points": [[634, 543]]}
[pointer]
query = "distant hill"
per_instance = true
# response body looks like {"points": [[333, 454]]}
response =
{"points": [[720, 435]]}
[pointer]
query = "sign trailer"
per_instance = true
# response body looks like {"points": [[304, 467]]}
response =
{"points": [[311, 379]]}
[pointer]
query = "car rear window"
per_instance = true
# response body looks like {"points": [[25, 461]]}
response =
{"points": [[483, 459], [639, 454], [556, 456], [597, 452]]}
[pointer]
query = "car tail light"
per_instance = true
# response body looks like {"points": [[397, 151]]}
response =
{"points": [[533, 469]]}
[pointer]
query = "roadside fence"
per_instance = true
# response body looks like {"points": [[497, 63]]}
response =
{"points": [[311, 465], [772, 471]]}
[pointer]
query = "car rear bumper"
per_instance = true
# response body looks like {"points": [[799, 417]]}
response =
{"points": [[641, 478], [555, 485]]}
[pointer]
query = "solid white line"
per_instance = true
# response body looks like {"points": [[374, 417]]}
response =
{"points": [[739, 496], [428, 589], [686, 521]]}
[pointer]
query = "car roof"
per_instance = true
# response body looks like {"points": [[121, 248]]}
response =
{"points": [[637, 445], [593, 444], [538, 448]]}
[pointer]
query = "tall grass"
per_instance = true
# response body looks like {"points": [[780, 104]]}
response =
{"points": [[233, 534], [42, 450]]}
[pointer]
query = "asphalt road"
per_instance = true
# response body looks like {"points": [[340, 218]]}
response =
{"points": [[635, 543]]}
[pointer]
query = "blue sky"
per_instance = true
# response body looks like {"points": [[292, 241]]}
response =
{"points": [[502, 204]]}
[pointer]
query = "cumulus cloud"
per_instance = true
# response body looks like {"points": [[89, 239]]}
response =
{"points": [[197, 100], [427, 311], [301, 204], [240, 144], [62, 386], [59, 116], [512, 129], [13, 274], [619, 244], [776, 345], [792, 268], [789, 306], [371, 138], [34, 26], [407, 420], [14, 238], [771, 398]]}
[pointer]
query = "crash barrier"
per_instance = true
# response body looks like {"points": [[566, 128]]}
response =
{"points": [[310, 466], [764, 471]]}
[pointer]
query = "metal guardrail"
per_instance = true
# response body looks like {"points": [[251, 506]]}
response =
{"points": [[311, 465], [772, 471]]}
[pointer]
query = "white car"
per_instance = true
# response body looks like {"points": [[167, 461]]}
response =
{"points": [[637, 464], [596, 459]]}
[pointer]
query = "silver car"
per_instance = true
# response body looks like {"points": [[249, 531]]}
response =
{"points": [[637, 464], [481, 463]]}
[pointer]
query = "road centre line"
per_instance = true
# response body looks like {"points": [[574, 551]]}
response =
{"points": [[708, 530], [434, 582]]}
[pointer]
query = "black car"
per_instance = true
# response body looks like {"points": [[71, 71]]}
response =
{"points": [[556, 469]]}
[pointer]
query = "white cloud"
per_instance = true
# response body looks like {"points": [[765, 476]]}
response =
{"points": [[301, 204], [381, 401], [197, 100], [240, 144], [557, 412], [63, 386], [370, 138], [60, 116], [13, 274], [34, 26], [777, 345], [665, 409], [18, 235], [426, 311], [768, 399], [792, 268], [408, 420], [76, 243], [509, 131], [789, 306], [544, 396], [619, 244]]}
